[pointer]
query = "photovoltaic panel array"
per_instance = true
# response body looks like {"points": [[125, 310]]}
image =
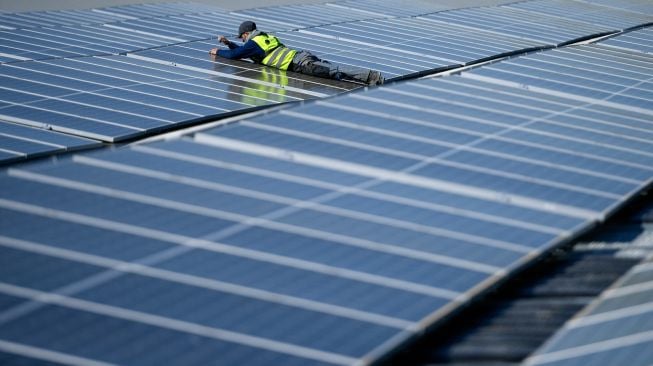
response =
{"points": [[638, 40], [597, 74], [148, 26], [158, 9], [461, 104], [58, 18], [20, 142], [73, 41], [615, 330], [356, 44], [298, 267], [387, 8], [510, 21], [305, 15], [115, 98], [190, 27], [636, 6], [586, 12], [326, 233]]}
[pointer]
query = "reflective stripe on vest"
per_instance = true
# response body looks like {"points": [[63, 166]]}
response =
{"points": [[276, 54]]}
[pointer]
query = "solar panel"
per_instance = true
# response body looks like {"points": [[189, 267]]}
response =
{"points": [[543, 28], [497, 115], [115, 98], [190, 27], [638, 40], [327, 233], [54, 18], [321, 260], [441, 43], [19, 142], [305, 15], [388, 8], [615, 329], [586, 12], [158, 10], [593, 73], [46, 43], [636, 6]]}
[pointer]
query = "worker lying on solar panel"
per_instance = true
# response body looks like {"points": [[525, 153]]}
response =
{"points": [[268, 50]]}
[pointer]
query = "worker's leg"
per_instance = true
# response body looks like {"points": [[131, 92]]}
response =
{"points": [[309, 64]]}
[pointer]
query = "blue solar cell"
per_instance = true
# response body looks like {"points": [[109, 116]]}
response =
{"points": [[313, 146], [551, 174], [359, 136], [67, 122], [515, 22], [455, 223], [87, 69], [624, 157], [194, 103], [230, 173], [118, 210], [570, 156], [45, 136], [35, 40], [424, 113], [11, 359], [13, 96], [36, 51], [288, 168], [401, 237], [53, 74], [21, 146], [164, 109], [367, 120], [16, 84], [96, 113], [521, 187], [249, 316], [221, 200], [21, 268], [63, 234], [96, 43], [299, 283], [119, 344], [589, 13], [360, 260], [7, 302], [599, 135]]}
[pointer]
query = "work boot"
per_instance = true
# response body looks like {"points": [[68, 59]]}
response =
{"points": [[375, 78]]}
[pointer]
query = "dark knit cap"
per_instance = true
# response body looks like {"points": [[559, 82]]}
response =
{"points": [[246, 26]]}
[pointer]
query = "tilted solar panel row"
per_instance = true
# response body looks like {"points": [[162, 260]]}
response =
{"points": [[19, 142], [115, 98], [637, 40], [595, 14], [636, 6]]}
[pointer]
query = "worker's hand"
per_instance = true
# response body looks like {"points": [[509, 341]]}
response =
{"points": [[223, 39], [214, 51]]}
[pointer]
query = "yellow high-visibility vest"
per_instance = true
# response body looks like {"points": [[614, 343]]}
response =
{"points": [[276, 54]]}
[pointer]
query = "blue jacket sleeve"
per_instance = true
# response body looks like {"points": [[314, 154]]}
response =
{"points": [[249, 49]]}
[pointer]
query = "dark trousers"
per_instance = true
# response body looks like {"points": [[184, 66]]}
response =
{"points": [[307, 63]]}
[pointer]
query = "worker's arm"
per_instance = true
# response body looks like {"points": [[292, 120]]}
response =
{"points": [[235, 52]]}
